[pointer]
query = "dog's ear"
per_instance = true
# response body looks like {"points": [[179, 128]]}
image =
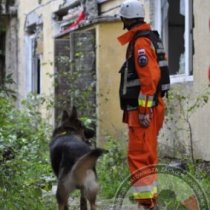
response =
{"points": [[65, 116], [73, 115]]}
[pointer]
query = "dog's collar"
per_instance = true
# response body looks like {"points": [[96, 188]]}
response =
{"points": [[64, 133]]}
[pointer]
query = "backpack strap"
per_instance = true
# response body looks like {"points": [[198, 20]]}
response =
{"points": [[152, 35], [138, 34]]}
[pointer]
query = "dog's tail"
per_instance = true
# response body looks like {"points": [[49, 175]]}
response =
{"points": [[85, 163]]}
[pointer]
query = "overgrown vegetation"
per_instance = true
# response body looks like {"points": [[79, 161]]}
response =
{"points": [[25, 170]]}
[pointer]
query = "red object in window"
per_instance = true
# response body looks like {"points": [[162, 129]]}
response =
{"points": [[77, 21]]}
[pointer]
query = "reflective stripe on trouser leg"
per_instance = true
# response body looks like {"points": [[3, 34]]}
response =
{"points": [[144, 191]]}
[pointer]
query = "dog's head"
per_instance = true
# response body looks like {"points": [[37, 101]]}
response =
{"points": [[70, 123]]}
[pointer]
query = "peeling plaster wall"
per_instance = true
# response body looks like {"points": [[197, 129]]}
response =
{"points": [[45, 46], [23, 9], [201, 119], [46, 41], [201, 64]]}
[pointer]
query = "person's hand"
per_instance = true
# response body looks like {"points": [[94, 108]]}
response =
{"points": [[145, 119]]}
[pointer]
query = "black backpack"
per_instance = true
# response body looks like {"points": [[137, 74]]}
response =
{"points": [[164, 83]]}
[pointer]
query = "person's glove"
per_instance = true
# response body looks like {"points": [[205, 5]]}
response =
{"points": [[145, 118]]}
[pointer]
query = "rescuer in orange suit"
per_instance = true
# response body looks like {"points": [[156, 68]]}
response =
{"points": [[145, 118]]}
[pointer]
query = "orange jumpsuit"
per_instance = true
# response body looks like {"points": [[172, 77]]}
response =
{"points": [[142, 143]]}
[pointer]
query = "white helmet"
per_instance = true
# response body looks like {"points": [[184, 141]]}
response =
{"points": [[132, 9]]}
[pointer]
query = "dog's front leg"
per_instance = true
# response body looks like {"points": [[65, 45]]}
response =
{"points": [[62, 196], [62, 202], [93, 202], [83, 201]]}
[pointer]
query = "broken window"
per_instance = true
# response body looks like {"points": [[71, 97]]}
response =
{"points": [[176, 30]]}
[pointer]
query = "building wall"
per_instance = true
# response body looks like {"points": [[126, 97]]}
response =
{"points": [[12, 50], [200, 121], [8, 42], [178, 144], [23, 9], [110, 56], [109, 59], [45, 47]]}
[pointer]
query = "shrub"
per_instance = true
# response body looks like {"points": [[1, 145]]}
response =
{"points": [[24, 165]]}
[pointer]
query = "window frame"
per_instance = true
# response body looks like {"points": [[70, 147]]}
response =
{"points": [[158, 25], [33, 73]]}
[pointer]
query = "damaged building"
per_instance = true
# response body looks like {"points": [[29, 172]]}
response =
{"points": [[37, 34]]}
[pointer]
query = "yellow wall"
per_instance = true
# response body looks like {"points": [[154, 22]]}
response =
{"points": [[110, 56]]}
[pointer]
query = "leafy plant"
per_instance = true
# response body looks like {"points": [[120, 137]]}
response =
{"points": [[5, 87], [24, 165]]}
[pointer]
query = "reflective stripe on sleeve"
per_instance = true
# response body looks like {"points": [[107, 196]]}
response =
{"points": [[133, 83], [146, 101]]}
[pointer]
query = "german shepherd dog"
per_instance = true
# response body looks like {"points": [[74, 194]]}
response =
{"points": [[73, 161]]}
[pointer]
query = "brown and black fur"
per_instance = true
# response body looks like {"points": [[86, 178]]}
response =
{"points": [[73, 161]]}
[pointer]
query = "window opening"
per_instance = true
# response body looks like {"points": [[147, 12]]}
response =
{"points": [[176, 30], [34, 66]]}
